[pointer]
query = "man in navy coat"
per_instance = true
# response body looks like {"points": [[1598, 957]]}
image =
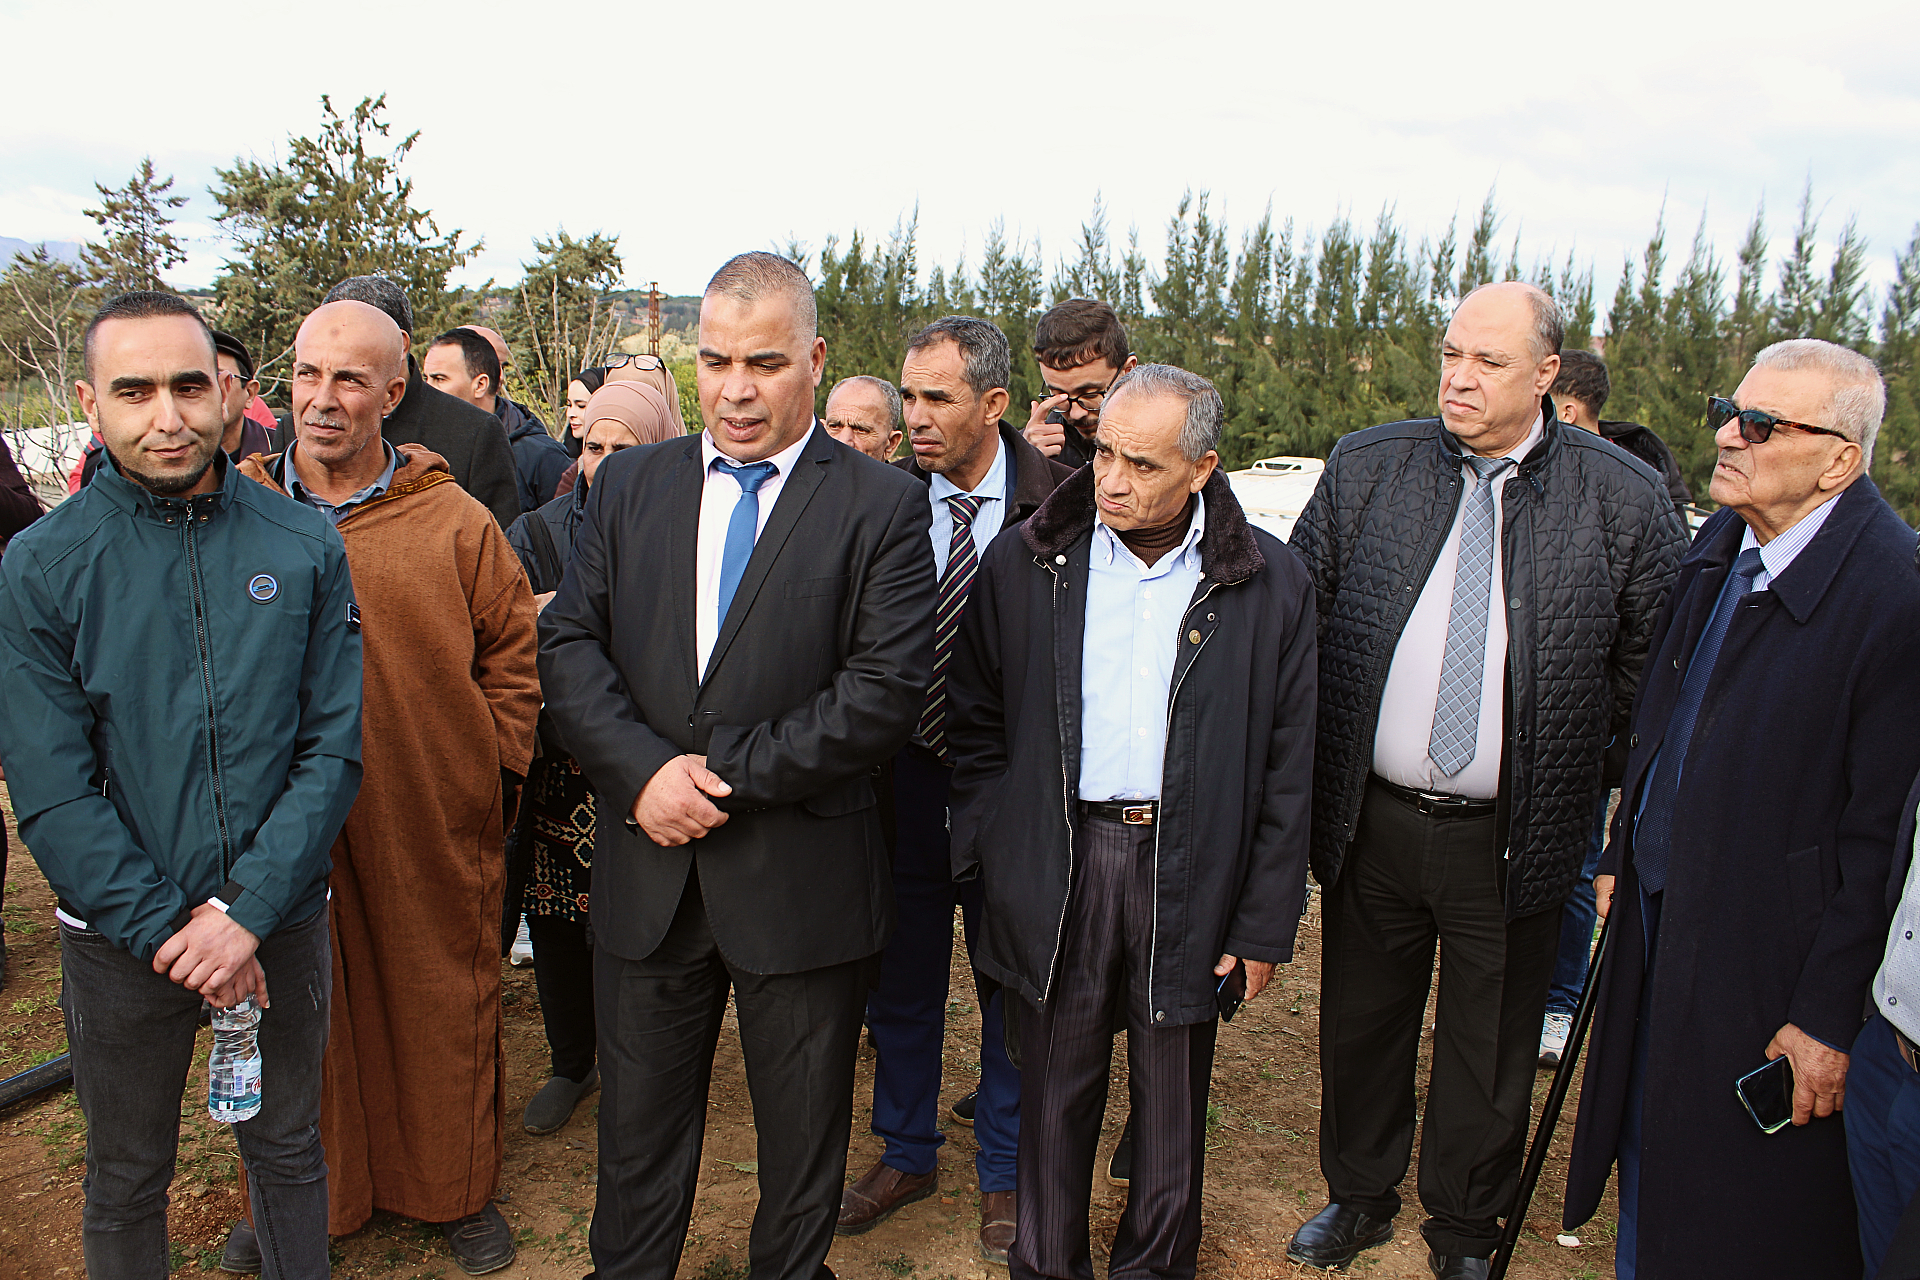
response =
{"points": [[1772, 742]]}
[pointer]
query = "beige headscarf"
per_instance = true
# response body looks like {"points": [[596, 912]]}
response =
{"points": [[637, 406], [659, 379]]}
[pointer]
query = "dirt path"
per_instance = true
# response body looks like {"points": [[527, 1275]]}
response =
{"points": [[1262, 1167]]}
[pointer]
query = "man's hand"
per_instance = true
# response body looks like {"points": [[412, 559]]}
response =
{"points": [[1602, 895], [1819, 1073], [673, 807], [207, 954], [1048, 437], [251, 980], [1259, 974]]}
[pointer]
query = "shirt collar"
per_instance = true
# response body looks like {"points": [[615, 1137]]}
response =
{"points": [[783, 461], [992, 486], [1781, 551], [295, 489], [1109, 542]]}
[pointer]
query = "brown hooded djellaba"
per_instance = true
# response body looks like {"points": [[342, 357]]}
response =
{"points": [[413, 1092]]}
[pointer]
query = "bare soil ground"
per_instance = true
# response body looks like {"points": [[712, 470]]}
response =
{"points": [[1262, 1177]]}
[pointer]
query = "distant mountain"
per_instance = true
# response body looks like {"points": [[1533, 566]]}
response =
{"points": [[62, 250]]}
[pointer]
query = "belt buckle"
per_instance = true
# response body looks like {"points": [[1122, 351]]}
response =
{"points": [[1137, 815]]}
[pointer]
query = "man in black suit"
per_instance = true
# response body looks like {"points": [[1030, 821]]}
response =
{"points": [[473, 441], [746, 629]]}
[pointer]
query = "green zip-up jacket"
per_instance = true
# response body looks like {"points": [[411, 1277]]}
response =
{"points": [[159, 749]]}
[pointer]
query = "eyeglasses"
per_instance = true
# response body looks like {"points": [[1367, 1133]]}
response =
{"points": [[1757, 427], [619, 359], [1088, 401]]}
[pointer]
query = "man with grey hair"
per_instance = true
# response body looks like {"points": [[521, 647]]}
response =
{"points": [[472, 441], [1773, 742], [863, 412], [979, 476], [1131, 722], [1488, 581]]}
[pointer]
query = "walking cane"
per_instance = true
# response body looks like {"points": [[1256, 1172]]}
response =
{"points": [[1550, 1114]]}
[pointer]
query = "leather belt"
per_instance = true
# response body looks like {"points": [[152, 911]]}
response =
{"points": [[1908, 1050], [1436, 804], [1133, 813]]}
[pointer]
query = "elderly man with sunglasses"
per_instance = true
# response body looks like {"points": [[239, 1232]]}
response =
{"points": [[1772, 743]]}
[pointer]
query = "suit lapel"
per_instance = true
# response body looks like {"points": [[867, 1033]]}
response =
{"points": [[795, 493], [683, 538]]}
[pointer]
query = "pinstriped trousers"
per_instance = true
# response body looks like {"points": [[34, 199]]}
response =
{"points": [[1066, 1046]]}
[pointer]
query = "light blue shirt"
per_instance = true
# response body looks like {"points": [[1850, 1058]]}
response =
{"points": [[1780, 553], [334, 514], [1126, 670], [992, 492]]}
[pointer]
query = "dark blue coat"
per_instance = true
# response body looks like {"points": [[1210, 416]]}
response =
{"points": [[1775, 907]]}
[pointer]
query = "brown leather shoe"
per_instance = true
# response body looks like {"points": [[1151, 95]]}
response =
{"points": [[881, 1190], [996, 1225]]}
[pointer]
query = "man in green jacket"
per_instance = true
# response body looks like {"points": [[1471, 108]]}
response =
{"points": [[180, 780]]}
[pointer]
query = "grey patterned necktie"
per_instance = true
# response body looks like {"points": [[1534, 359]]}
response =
{"points": [[1456, 716]]}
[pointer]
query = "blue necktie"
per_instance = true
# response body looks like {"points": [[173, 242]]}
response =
{"points": [[742, 527], [1653, 829], [1463, 664]]}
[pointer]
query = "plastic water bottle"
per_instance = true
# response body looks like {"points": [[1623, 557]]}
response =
{"points": [[233, 1072]]}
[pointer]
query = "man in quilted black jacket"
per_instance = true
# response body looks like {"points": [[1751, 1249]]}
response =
{"points": [[1488, 581]]}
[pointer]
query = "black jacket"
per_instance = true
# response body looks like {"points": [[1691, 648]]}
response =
{"points": [[543, 539], [1589, 546], [818, 674], [1776, 905], [1643, 444], [471, 440], [1231, 843], [538, 459]]}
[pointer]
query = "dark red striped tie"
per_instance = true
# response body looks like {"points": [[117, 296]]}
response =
{"points": [[962, 563]]}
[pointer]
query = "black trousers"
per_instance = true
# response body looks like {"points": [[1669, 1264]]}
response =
{"points": [[1065, 1047], [659, 1019], [1410, 880], [563, 973]]}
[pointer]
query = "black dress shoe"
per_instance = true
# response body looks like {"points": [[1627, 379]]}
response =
{"points": [[1335, 1236], [480, 1242], [962, 1109], [1458, 1268]]}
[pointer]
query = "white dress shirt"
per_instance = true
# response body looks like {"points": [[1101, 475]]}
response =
{"points": [[1407, 704], [1896, 987], [1778, 554], [992, 492], [1126, 665], [717, 500]]}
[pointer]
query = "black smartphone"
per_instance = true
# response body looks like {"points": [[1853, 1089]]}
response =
{"points": [[1231, 991], [1767, 1094], [1057, 418]]}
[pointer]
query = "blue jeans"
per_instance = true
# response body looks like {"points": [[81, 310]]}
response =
{"points": [[1577, 921], [131, 1032], [907, 1010], [1883, 1136]]}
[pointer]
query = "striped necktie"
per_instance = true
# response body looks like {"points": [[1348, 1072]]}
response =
{"points": [[962, 563]]}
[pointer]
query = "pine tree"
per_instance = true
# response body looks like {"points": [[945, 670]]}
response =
{"points": [[561, 321], [338, 206], [138, 244]]}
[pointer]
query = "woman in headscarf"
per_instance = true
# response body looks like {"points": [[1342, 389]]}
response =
{"points": [[646, 370], [550, 855]]}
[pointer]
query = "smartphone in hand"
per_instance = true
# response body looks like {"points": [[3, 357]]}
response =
{"points": [[1767, 1094], [1231, 991]]}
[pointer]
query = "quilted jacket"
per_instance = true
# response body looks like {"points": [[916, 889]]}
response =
{"points": [[1590, 543]]}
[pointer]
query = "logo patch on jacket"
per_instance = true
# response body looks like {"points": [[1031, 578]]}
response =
{"points": [[263, 588], [353, 617]]}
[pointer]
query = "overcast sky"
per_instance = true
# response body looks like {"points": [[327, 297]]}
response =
{"points": [[695, 131]]}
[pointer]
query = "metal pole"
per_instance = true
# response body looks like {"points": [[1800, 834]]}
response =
{"points": [[1556, 1099]]}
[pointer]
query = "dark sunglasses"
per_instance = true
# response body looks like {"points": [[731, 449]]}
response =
{"points": [[1757, 427]]}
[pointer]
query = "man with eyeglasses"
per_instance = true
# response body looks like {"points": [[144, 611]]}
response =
{"points": [[1082, 350], [1487, 583], [1772, 742]]}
